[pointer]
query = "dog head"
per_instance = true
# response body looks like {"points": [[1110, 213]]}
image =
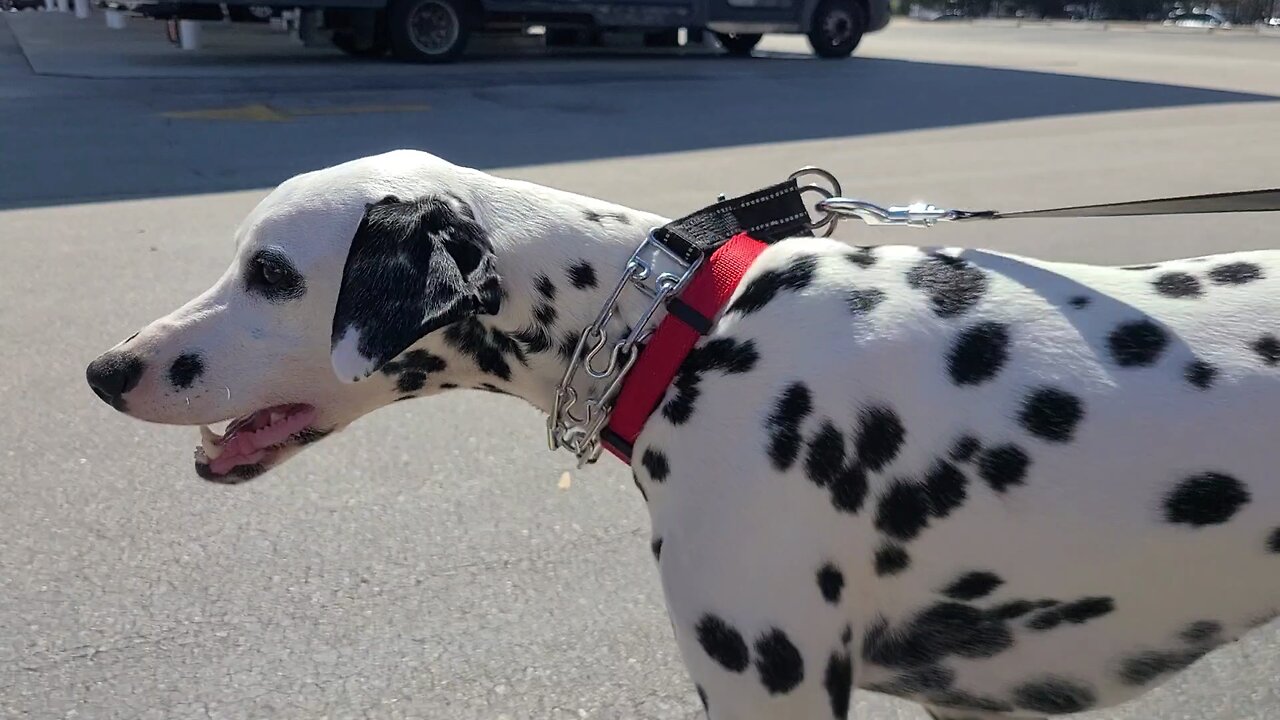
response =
{"points": [[336, 274]]}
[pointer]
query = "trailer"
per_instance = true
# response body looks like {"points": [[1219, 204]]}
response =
{"points": [[438, 31]]}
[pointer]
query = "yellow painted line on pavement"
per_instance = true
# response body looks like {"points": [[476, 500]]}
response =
{"points": [[259, 112]]}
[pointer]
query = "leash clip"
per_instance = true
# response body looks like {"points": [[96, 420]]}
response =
{"points": [[921, 214]]}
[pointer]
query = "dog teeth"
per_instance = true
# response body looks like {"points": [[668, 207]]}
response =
{"points": [[209, 441], [276, 416]]}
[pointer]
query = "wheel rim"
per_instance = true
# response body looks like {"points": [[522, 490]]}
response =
{"points": [[433, 27], [837, 26]]}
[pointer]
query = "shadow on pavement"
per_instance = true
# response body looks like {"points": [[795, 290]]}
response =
{"points": [[500, 114]]}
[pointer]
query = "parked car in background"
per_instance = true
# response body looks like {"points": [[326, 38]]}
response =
{"points": [[437, 31]]}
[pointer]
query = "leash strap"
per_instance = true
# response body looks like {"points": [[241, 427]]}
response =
{"points": [[1242, 201], [708, 291], [768, 214]]}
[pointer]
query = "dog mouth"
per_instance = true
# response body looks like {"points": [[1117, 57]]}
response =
{"points": [[252, 442]]}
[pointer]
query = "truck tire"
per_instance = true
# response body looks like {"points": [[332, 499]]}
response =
{"points": [[836, 28], [739, 44], [428, 31]]}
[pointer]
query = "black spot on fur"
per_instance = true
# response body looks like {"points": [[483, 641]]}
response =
{"points": [[765, 286], [448, 386], [846, 636], [1202, 632], [185, 370], [1051, 414], [582, 275], [862, 302], [722, 643], [934, 634], [702, 695], [1003, 466], [825, 466], [1079, 302], [1177, 285], [655, 461], [978, 353], [972, 586], [489, 348], [545, 287], [410, 382], [1209, 498], [534, 338], [1054, 696], [944, 488], [1268, 348], [779, 663], [1140, 267], [656, 547], [954, 286], [413, 368], [1144, 667], [1273, 542], [1137, 343], [960, 699], [830, 582], [880, 437], [927, 678], [863, 257], [1076, 613], [1013, 609], [725, 355], [789, 413], [891, 559], [1237, 273], [544, 314], [1200, 374], [838, 682], [903, 511], [965, 448]]}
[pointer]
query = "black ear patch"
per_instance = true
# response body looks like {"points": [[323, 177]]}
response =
{"points": [[414, 267]]}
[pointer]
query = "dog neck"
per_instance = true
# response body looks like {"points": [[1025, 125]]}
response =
{"points": [[559, 255]]}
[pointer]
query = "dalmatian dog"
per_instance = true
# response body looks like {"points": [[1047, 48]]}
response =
{"points": [[996, 486]]}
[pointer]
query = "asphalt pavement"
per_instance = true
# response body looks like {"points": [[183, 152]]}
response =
{"points": [[428, 562]]}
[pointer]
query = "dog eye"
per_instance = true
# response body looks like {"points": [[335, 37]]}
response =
{"points": [[272, 274]]}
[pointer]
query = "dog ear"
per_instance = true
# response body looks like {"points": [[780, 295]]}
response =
{"points": [[413, 267]]}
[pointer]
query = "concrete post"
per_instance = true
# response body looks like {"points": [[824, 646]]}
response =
{"points": [[189, 34], [82, 9], [116, 19], [64, 5]]}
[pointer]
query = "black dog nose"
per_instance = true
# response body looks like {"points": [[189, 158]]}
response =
{"points": [[114, 374]]}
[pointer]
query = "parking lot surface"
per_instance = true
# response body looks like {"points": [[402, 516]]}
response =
{"points": [[428, 563]]}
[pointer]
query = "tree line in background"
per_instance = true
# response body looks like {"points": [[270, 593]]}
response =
{"points": [[1236, 11]]}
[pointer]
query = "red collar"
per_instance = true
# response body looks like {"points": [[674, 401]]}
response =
{"points": [[689, 317]]}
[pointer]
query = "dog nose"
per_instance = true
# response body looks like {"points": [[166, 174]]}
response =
{"points": [[114, 374]]}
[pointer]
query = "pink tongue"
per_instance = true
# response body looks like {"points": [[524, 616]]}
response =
{"points": [[247, 448]]}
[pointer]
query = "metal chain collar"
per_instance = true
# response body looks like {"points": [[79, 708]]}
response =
{"points": [[659, 274]]}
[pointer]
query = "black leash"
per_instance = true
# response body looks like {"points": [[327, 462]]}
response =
{"points": [[925, 215], [1233, 202]]}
